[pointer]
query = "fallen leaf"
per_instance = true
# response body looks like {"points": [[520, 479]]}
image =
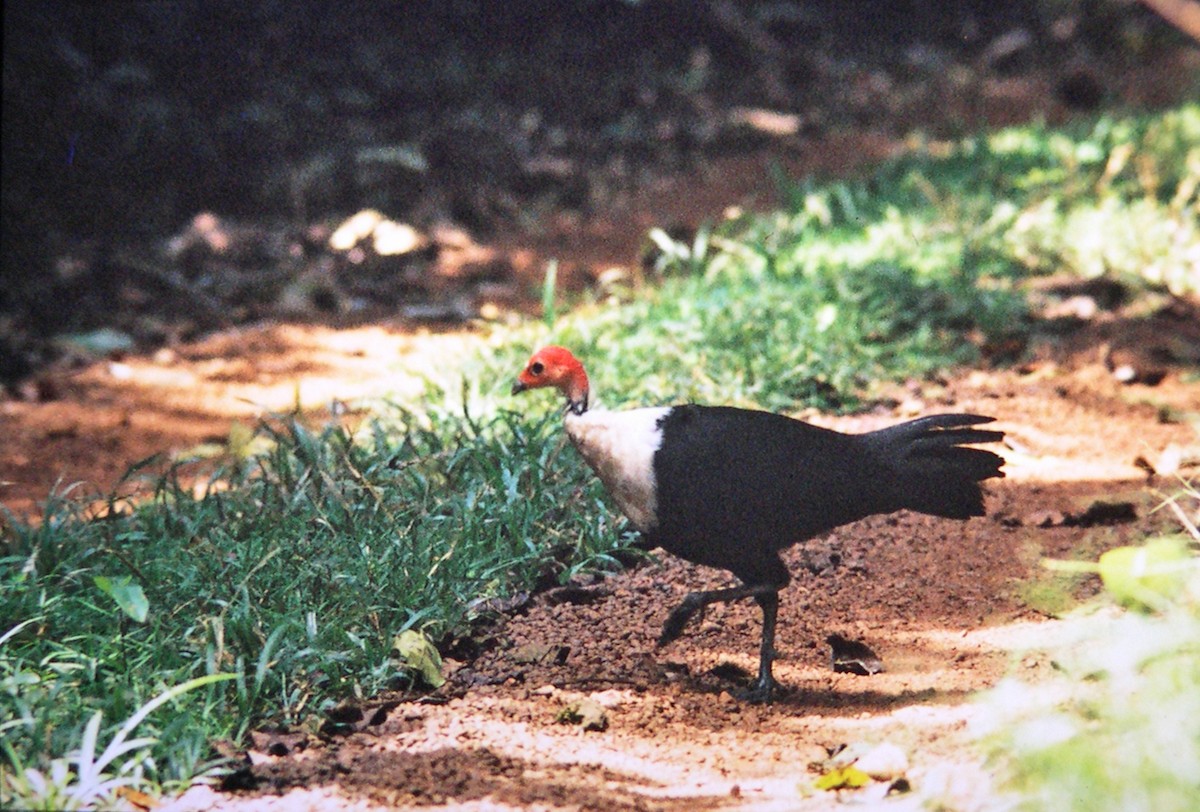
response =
{"points": [[852, 657], [419, 655], [136, 798], [843, 778]]}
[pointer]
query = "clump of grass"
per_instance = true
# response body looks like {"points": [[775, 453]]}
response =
{"points": [[92, 783], [767, 328], [915, 268], [294, 571], [1127, 206], [1119, 728]]}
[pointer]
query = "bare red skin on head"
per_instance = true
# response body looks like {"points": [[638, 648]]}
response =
{"points": [[556, 366]]}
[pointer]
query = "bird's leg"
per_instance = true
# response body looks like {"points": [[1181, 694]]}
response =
{"points": [[695, 601], [767, 597], [690, 605], [764, 686]]}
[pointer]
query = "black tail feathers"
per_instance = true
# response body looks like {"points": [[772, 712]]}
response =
{"points": [[936, 471]]}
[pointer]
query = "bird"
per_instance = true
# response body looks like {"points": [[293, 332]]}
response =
{"points": [[731, 488]]}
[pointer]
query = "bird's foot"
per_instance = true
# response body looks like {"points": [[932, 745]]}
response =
{"points": [[678, 619], [759, 693]]}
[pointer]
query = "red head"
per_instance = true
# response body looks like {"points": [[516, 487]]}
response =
{"points": [[557, 367]]}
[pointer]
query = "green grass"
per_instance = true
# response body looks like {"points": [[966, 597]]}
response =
{"points": [[294, 572], [920, 266], [303, 559]]}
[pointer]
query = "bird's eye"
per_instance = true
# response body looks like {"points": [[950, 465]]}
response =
{"points": [[536, 368]]}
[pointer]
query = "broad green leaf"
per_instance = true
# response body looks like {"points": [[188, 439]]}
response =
{"points": [[127, 594], [1146, 577]]}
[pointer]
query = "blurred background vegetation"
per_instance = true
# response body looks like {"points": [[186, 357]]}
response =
{"points": [[126, 125]]}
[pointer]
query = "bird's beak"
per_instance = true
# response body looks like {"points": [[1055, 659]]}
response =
{"points": [[518, 387]]}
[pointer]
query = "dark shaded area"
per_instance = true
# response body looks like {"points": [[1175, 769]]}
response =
{"points": [[123, 121]]}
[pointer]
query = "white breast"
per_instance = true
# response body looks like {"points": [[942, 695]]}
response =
{"points": [[620, 446]]}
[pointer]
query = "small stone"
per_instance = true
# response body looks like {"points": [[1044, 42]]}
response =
{"points": [[610, 699], [853, 657], [586, 713]]}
